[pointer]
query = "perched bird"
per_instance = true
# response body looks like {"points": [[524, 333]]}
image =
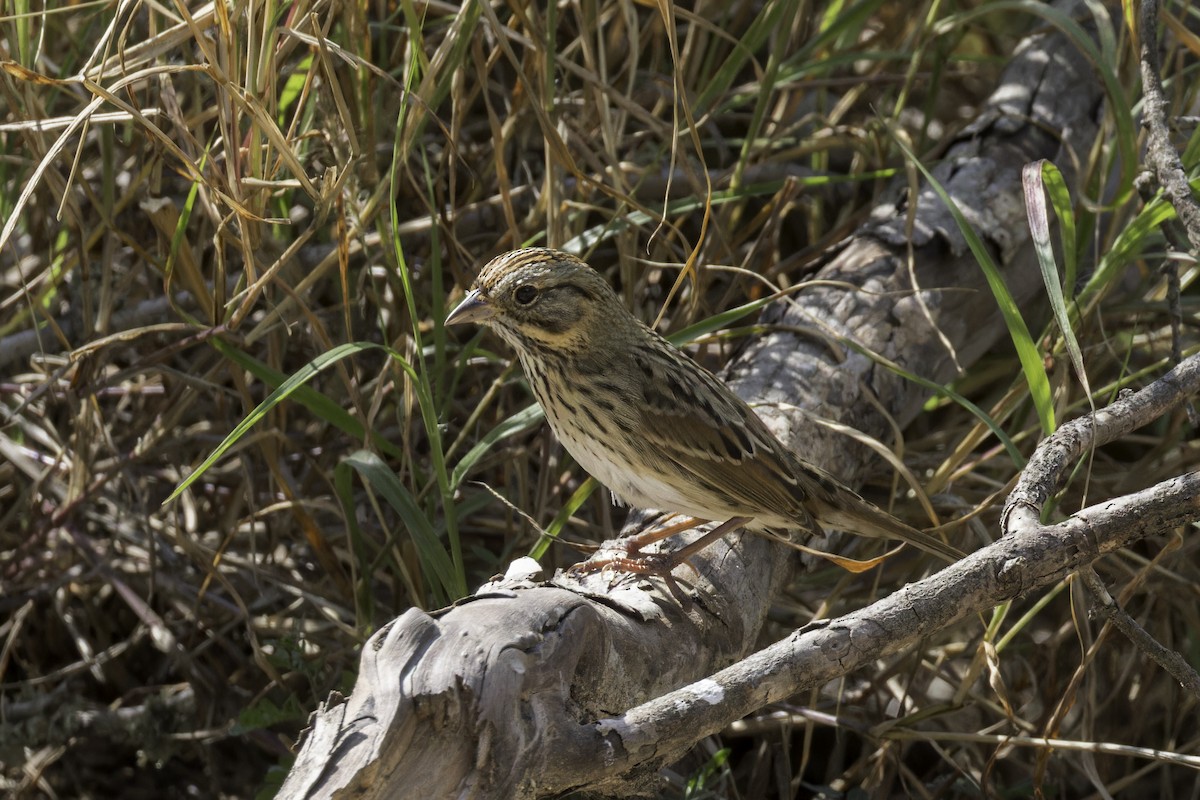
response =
{"points": [[655, 427]]}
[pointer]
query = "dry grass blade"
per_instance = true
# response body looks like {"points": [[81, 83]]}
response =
{"points": [[202, 200]]}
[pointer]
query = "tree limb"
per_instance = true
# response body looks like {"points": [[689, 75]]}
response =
{"points": [[1160, 153], [499, 696]]}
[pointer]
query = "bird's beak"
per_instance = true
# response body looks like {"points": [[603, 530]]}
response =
{"points": [[474, 308]]}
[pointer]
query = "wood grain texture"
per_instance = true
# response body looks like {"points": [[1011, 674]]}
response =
{"points": [[491, 698]]}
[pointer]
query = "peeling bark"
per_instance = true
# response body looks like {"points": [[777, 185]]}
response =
{"points": [[522, 690]]}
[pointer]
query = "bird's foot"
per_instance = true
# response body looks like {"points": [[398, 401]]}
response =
{"points": [[633, 560]]}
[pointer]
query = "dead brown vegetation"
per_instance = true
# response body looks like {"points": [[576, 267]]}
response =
{"points": [[198, 201]]}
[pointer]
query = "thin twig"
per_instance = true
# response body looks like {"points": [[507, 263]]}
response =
{"points": [[1166, 658]]}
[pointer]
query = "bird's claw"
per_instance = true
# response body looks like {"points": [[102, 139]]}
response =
{"points": [[635, 562]]}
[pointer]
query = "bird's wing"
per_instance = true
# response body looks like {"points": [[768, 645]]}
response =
{"points": [[695, 421], [692, 419]]}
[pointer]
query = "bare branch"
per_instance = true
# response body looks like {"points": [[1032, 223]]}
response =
{"points": [[1168, 659], [1029, 556], [1168, 167]]}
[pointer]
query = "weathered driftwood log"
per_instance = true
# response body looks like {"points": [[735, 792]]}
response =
{"points": [[501, 695]]}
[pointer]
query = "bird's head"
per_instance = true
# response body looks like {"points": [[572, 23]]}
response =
{"points": [[538, 299]]}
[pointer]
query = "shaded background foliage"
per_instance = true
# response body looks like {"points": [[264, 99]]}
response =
{"points": [[199, 200]]}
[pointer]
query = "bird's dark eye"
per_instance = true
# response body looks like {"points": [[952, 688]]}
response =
{"points": [[525, 294]]}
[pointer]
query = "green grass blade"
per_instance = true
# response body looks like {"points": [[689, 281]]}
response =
{"points": [[1127, 247], [420, 374], [719, 321], [1027, 351], [1038, 178], [944, 391], [451, 581], [577, 499], [316, 402], [364, 597], [285, 390], [522, 421]]}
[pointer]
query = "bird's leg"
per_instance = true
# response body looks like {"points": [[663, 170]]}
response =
{"points": [[634, 544], [633, 548], [659, 563], [680, 556]]}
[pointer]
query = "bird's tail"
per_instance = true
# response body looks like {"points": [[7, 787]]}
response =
{"points": [[849, 512]]}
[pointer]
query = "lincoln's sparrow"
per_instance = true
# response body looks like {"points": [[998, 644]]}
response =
{"points": [[657, 429]]}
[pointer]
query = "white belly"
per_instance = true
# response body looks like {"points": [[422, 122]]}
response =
{"points": [[639, 489]]}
